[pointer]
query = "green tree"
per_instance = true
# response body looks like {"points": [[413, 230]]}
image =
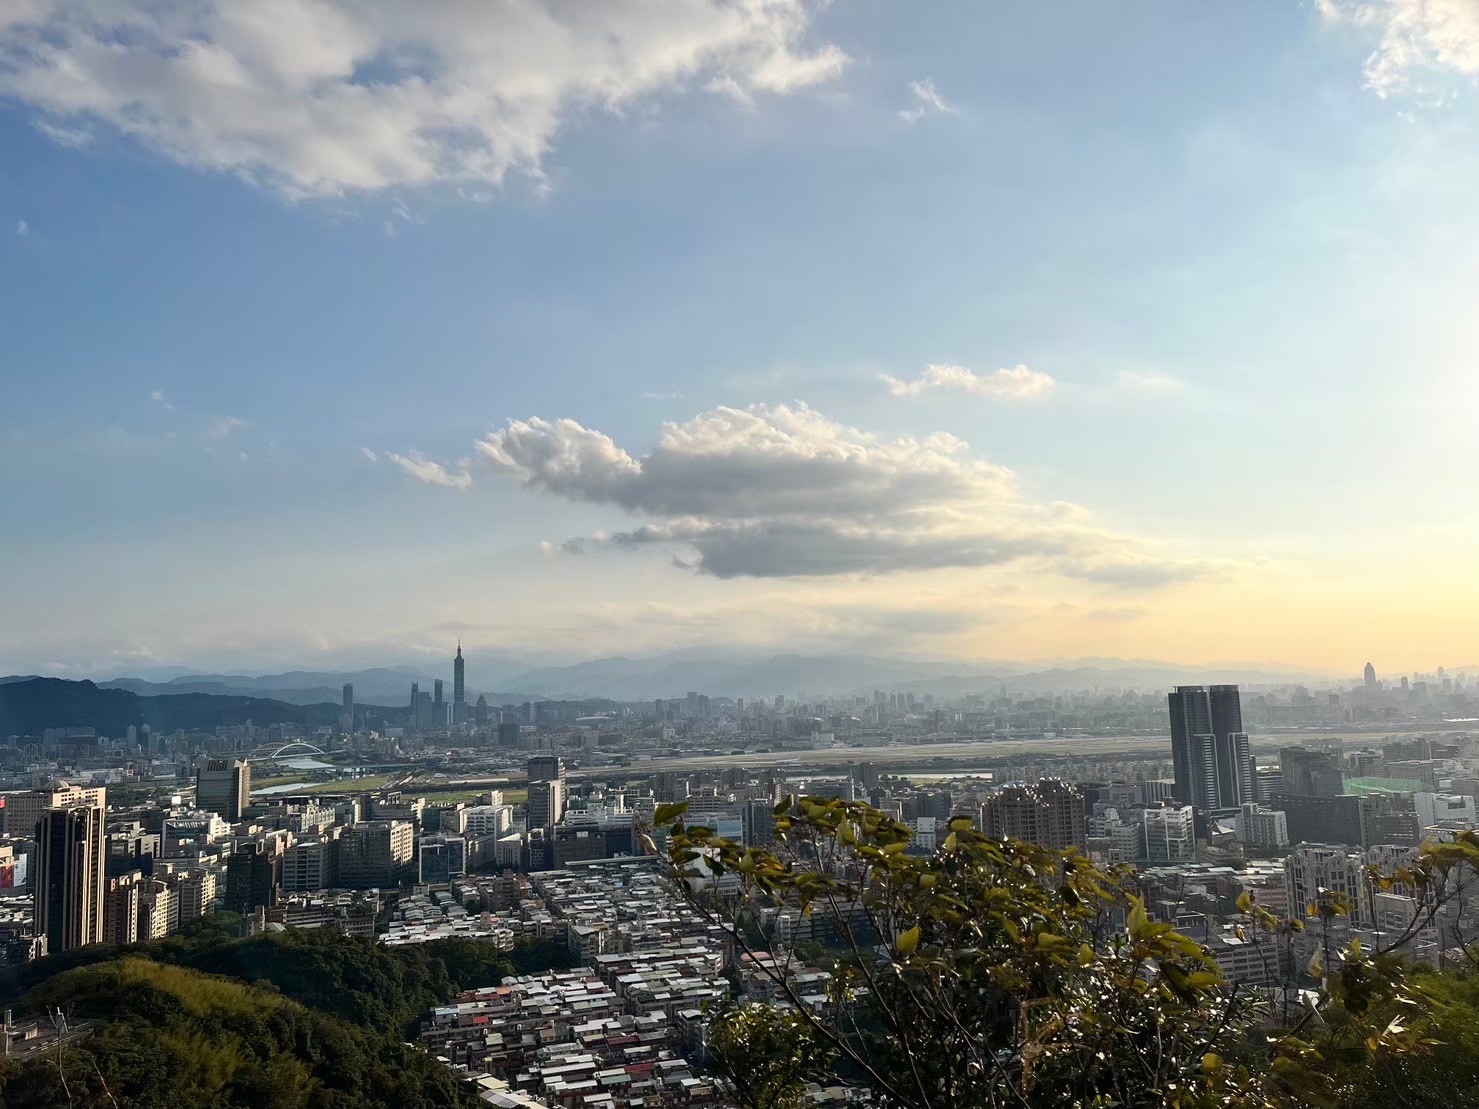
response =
{"points": [[1013, 975]]}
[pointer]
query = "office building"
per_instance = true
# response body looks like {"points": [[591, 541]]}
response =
{"points": [[440, 859], [69, 904], [1051, 813], [1209, 750], [508, 732], [1310, 773], [459, 688], [546, 804], [1324, 819], [1369, 676], [224, 787], [546, 768], [480, 712], [1433, 808], [346, 712], [438, 708], [759, 822]]}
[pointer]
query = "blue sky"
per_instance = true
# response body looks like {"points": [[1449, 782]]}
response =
{"points": [[1239, 241]]}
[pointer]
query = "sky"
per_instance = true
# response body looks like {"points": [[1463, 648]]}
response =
{"points": [[334, 330]]}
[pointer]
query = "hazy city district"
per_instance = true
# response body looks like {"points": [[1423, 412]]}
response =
{"points": [[528, 828]]}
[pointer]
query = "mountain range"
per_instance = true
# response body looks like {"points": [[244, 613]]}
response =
{"points": [[720, 674]]}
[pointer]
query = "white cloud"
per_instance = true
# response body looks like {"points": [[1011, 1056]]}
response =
{"points": [[369, 454], [1135, 381], [158, 397], [1017, 383], [432, 473], [74, 138], [1413, 36], [318, 98], [225, 425], [928, 101], [784, 491], [22, 227]]}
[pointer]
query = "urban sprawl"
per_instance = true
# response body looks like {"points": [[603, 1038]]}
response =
{"points": [[533, 822]]}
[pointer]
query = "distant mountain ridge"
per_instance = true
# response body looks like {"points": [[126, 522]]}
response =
{"points": [[28, 706], [742, 673], [382, 686]]}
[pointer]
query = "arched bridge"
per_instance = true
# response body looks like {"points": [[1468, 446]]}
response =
{"points": [[270, 751]]}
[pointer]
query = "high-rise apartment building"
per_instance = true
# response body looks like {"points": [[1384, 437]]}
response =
{"points": [[1311, 868], [121, 908], [254, 874], [1170, 834], [310, 865], [378, 854], [69, 904], [1050, 813], [1267, 829], [1209, 750], [224, 787], [22, 810]]}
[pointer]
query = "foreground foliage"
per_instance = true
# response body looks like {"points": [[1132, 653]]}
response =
{"points": [[996, 973]]}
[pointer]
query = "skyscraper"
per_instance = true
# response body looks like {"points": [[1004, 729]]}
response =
{"points": [[459, 688], [69, 902], [546, 805], [438, 706], [224, 787], [1209, 749], [1370, 676], [346, 714]]}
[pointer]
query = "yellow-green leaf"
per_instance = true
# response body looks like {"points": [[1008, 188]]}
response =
{"points": [[908, 941]]}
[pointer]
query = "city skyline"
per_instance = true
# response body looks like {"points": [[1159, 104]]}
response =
{"points": [[977, 333]]}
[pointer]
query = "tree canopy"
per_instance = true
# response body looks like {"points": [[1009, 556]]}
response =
{"points": [[992, 973]]}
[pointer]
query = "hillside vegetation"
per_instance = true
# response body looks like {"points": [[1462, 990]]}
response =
{"points": [[285, 1020]]}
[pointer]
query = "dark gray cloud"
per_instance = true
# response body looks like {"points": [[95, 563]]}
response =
{"points": [[786, 492]]}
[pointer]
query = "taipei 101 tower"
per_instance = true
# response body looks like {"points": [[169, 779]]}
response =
{"points": [[459, 689]]}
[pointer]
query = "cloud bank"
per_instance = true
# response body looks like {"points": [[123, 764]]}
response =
{"points": [[1017, 383], [783, 491], [317, 98]]}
